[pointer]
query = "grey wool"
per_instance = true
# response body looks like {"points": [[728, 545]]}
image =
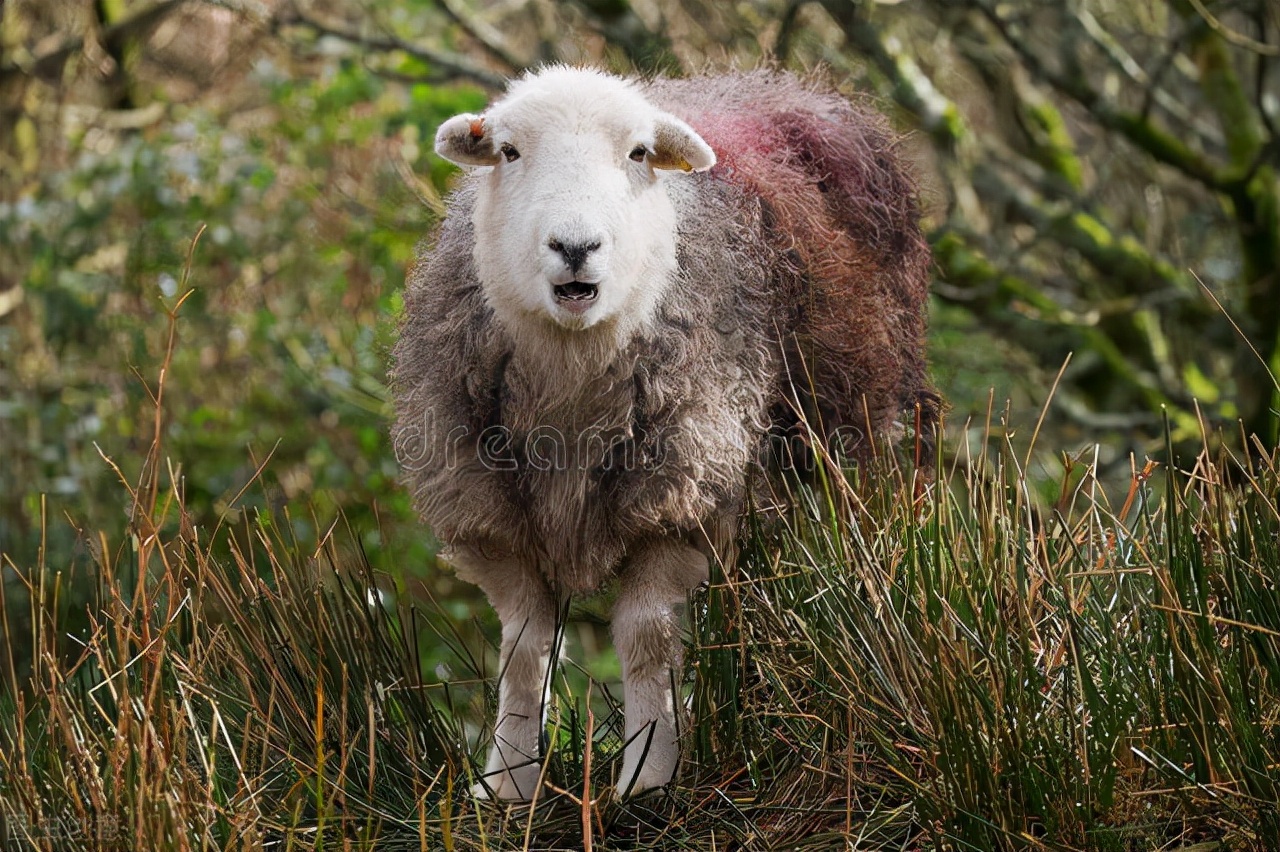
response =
{"points": [[798, 296]]}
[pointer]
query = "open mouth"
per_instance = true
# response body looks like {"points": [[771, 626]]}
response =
{"points": [[576, 296]]}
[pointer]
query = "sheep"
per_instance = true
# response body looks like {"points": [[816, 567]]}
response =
{"points": [[637, 288]]}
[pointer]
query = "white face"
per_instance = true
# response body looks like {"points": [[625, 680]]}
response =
{"points": [[573, 225], [584, 231]]}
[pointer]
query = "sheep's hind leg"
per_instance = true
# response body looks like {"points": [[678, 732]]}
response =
{"points": [[646, 625], [527, 609]]}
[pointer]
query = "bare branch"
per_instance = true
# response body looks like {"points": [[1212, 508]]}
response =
{"points": [[1123, 60], [451, 66], [1238, 39], [483, 34], [1163, 146]]}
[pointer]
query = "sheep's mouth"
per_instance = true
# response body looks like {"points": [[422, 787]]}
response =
{"points": [[576, 296]]}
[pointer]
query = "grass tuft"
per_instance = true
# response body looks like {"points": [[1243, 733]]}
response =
{"points": [[957, 665]]}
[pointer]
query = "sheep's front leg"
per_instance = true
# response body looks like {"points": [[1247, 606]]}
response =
{"points": [[526, 607], [646, 632]]}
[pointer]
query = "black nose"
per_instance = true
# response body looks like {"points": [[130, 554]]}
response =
{"points": [[574, 254]]}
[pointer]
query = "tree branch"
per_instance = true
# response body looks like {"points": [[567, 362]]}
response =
{"points": [[1228, 101], [451, 65], [1121, 259], [912, 89], [483, 34], [1154, 92], [967, 268], [1163, 146], [1254, 191], [786, 30], [49, 65], [1262, 75], [1238, 39], [619, 23]]}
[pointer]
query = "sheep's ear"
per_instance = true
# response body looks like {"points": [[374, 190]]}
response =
{"points": [[464, 140], [677, 146]]}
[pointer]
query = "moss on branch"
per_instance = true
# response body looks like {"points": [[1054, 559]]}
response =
{"points": [[1162, 145], [968, 268], [912, 89], [1054, 147], [1254, 192]]}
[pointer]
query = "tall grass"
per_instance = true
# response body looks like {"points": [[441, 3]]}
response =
{"points": [[972, 670], [885, 667]]}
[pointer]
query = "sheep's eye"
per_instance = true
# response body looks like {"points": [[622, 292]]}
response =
{"points": [[509, 151], [638, 153]]}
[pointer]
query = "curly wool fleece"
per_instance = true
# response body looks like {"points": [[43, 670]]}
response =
{"points": [[597, 349]]}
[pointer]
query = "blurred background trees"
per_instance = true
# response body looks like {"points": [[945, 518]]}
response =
{"points": [[1100, 179]]}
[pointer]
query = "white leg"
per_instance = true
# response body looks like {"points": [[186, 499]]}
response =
{"points": [[646, 627], [527, 608]]}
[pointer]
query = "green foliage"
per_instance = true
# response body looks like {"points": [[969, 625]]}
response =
{"points": [[296, 284]]}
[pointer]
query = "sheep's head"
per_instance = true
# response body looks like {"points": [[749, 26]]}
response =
{"points": [[573, 223]]}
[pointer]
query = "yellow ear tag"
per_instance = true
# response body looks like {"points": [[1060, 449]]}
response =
{"points": [[681, 163]]}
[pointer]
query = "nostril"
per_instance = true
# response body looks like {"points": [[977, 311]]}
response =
{"points": [[574, 254]]}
